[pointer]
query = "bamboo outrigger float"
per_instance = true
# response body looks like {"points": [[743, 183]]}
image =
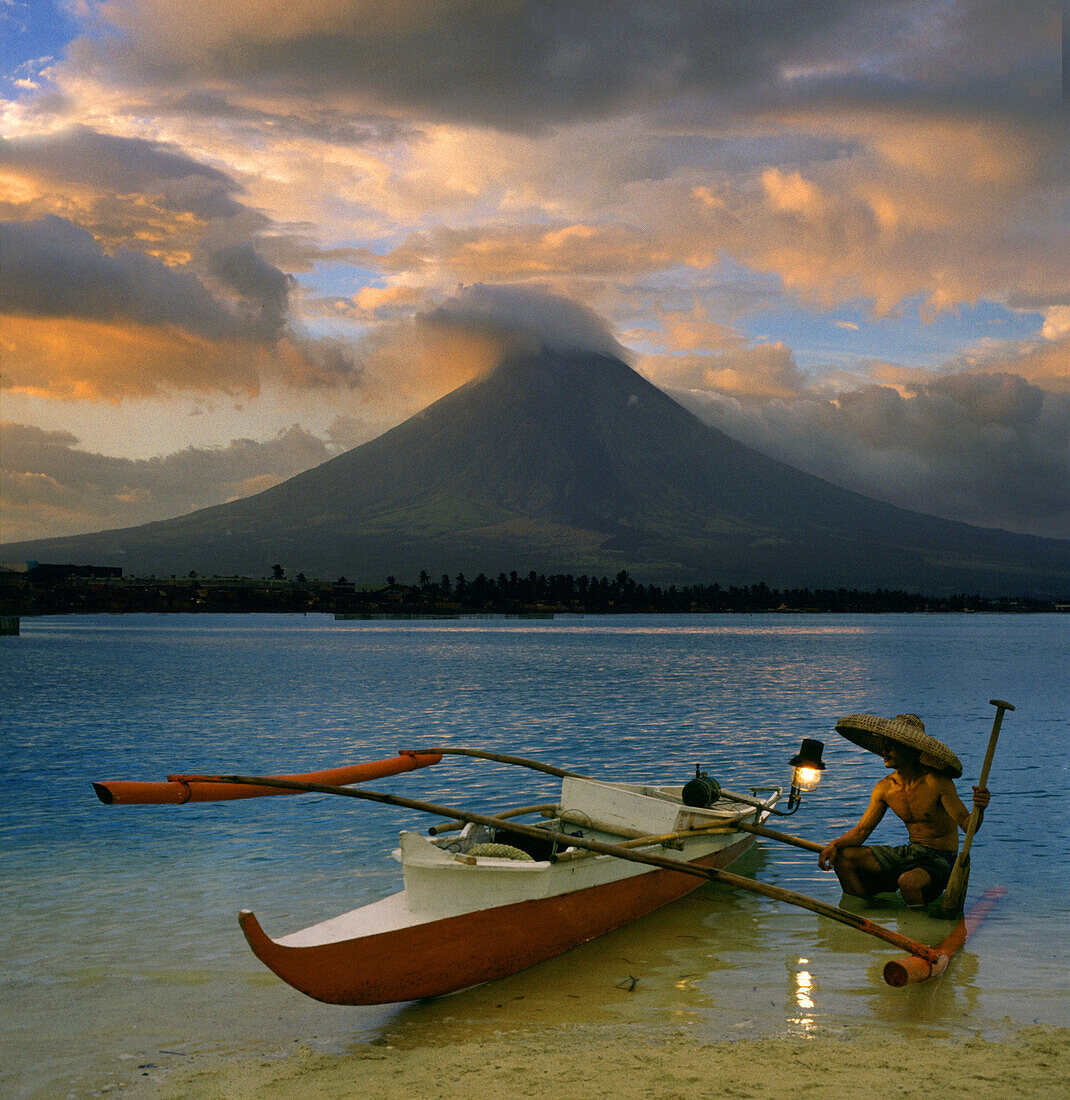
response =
{"points": [[914, 968], [180, 789], [501, 895]]}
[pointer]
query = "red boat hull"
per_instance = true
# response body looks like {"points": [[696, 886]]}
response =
{"points": [[444, 956]]}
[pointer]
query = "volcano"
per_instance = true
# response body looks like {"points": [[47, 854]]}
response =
{"points": [[573, 463]]}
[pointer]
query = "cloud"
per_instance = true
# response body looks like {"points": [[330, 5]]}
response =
{"points": [[689, 171], [512, 66], [84, 360], [384, 302], [53, 487], [127, 191], [347, 71], [988, 449], [762, 372], [1043, 360], [936, 205], [846, 148], [263, 287], [55, 269], [1057, 323], [314, 121], [81, 157], [409, 362], [514, 252], [524, 318], [411, 358], [79, 323], [868, 208]]}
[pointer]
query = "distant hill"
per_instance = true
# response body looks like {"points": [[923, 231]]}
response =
{"points": [[573, 464]]}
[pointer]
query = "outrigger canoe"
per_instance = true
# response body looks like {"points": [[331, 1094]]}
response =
{"points": [[502, 895], [488, 902]]}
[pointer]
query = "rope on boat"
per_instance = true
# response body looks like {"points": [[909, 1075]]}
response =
{"points": [[499, 851]]}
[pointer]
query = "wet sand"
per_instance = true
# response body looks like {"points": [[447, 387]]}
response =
{"points": [[577, 1062]]}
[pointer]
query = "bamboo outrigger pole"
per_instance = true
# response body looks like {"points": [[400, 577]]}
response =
{"points": [[784, 838], [502, 758], [727, 878]]}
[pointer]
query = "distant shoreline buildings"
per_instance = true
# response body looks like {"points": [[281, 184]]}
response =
{"points": [[55, 589]]}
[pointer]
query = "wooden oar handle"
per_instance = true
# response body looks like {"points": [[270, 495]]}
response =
{"points": [[1000, 706], [975, 813], [957, 883]]}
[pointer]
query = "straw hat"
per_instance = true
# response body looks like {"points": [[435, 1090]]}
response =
{"points": [[907, 729]]}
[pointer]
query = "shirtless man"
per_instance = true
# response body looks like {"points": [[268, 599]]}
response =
{"points": [[924, 798]]}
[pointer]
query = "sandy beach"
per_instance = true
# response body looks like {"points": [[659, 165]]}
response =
{"points": [[574, 1062]]}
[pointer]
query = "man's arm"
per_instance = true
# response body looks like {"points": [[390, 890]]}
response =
{"points": [[957, 808], [867, 823]]}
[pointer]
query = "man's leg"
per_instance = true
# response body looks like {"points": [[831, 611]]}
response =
{"points": [[917, 888], [859, 872]]}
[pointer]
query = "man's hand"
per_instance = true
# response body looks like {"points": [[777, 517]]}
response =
{"points": [[828, 854], [981, 797]]}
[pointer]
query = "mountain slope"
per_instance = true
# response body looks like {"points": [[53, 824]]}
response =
{"points": [[573, 463]]}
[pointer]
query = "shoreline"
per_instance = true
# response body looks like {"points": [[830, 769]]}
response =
{"points": [[590, 1062]]}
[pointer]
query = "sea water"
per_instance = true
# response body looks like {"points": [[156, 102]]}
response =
{"points": [[122, 954]]}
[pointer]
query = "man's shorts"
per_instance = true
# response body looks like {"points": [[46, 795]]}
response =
{"points": [[894, 861]]}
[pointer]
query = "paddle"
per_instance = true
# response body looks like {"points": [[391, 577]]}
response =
{"points": [[725, 877], [955, 892]]}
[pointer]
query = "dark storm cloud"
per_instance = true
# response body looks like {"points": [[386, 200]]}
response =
{"points": [[512, 65], [52, 268], [988, 449], [537, 63], [82, 157], [165, 328], [264, 287], [52, 486]]}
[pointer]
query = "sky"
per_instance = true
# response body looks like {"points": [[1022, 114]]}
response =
{"points": [[238, 237]]}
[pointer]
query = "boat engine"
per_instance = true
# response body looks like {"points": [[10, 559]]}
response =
{"points": [[702, 791]]}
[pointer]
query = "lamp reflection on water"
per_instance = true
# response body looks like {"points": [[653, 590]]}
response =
{"points": [[804, 985]]}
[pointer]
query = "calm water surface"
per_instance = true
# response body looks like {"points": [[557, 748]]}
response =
{"points": [[123, 957]]}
